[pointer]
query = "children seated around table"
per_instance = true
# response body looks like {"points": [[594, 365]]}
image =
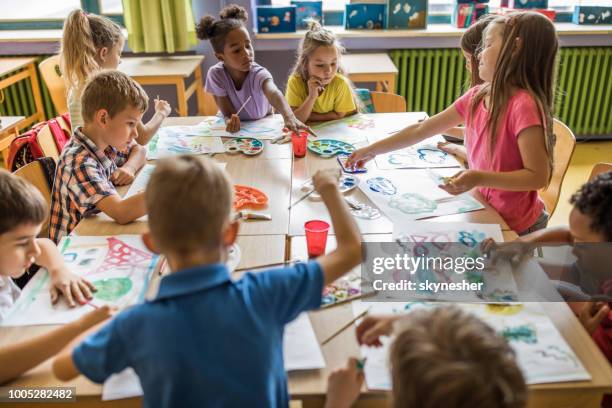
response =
{"points": [[243, 89], [207, 339], [23, 210], [100, 155], [317, 90], [442, 357]]}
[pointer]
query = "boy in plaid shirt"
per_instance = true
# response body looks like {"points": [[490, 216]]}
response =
{"points": [[100, 155]]}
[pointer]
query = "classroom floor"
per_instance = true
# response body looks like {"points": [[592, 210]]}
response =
{"points": [[586, 155]]}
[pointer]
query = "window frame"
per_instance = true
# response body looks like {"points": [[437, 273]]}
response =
{"points": [[89, 6]]}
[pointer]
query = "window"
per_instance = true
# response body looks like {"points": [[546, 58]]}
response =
{"points": [[39, 10], [111, 7]]}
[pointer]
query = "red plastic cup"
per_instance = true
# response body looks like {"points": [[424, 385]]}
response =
{"points": [[316, 237], [298, 141]]}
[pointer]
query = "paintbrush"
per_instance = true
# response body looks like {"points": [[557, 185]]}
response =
{"points": [[301, 198], [243, 105], [344, 327]]}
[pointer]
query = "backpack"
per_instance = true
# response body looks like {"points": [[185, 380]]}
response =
{"points": [[25, 148]]}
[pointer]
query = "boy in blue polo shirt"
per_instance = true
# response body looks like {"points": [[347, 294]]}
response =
{"points": [[207, 340]]}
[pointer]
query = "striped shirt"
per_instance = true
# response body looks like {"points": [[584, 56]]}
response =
{"points": [[82, 179]]}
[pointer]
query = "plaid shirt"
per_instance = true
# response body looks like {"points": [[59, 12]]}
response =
{"points": [[82, 179]]}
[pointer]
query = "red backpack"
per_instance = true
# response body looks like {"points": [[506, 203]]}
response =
{"points": [[25, 148]]}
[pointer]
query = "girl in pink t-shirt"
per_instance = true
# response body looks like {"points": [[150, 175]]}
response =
{"points": [[508, 133], [237, 80]]}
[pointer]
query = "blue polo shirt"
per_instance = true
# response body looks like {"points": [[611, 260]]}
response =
{"points": [[206, 340]]}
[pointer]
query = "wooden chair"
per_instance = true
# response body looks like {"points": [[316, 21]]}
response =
{"points": [[35, 174], [600, 168], [46, 142], [388, 102], [562, 154], [50, 73], [5, 144]]}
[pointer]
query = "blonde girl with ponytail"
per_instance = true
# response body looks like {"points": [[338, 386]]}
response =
{"points": [[91, 43]]}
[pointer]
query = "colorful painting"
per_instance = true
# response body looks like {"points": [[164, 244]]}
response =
{"points": [[176, 140], [266, 128], [542, 353], [119, 266], [413, 195], [422, 155]]}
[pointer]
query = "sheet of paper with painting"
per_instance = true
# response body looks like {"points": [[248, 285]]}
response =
{"points": [[412, 195], [176, 140], [419, 156], [266, 128], [542, 353], [119, 266]]}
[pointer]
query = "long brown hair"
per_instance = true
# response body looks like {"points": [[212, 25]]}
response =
{"points": [[471, 43], [529, 64], [84, 35]]}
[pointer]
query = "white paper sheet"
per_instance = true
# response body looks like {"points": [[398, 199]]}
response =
{"points": [[175, 140], [265, 128], [300, 347]]}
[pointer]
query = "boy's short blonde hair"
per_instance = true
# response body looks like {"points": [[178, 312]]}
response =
{"points": [[189, 202], [113, 91], [445, 357], [20, 203]]}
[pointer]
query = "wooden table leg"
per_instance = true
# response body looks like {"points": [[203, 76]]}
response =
{"points": [[40, 110], [200, 91], [181, 97]]}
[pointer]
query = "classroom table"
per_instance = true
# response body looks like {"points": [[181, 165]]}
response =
{"points": [[267, 242], [169, 71], [9, 130], [377, 68]]}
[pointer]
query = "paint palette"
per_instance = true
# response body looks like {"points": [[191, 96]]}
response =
{"points": [[246, 145], [329, 147], [346, 183], [345, 289], [245, 196]]}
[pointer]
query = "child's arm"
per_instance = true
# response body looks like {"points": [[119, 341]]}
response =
{"points": [[63, 282], [551, 234], [123, 211], [20, 357], [146, 132], [279, 103], [344, 385], [347, 255], [304, 111], [455, 149], [229, 113], [456, 132], [125, 174], [408, 136], [533, 175]]}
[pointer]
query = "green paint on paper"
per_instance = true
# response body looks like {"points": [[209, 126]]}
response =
{"points": [[112, 289], [523, 333]]}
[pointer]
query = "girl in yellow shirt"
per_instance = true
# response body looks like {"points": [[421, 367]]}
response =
{"points": [[317, 90]]}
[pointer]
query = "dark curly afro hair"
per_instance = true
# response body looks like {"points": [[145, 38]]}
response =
{"points": [[595, 200]]}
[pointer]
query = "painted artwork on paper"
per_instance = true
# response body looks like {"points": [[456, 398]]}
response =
{"points": [[119, 266], [413, 195], [542, 353], [176, 140], [266, 128]]}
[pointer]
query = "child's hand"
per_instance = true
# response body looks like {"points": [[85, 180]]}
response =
{"points": [[591, 315], [315, 88], [360, 157], [96, 316], [461, 182], [344, 385], [292, 124], [233, 124], [162, 107], [123, 176], [64, 282], [451, 148], [372, 327], [324, 180]]}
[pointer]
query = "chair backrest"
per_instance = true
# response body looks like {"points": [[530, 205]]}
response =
{"points": [[388, 102], [50, 73], [600, 168], [34, 172], [46, 141], [562, 155]]}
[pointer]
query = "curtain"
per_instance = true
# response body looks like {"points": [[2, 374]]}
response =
{"points": [[159, 25]]}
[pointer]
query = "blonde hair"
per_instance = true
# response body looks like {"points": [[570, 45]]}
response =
{"points": [[82, 38], [21, 203], [445, 357], [531, 66], [189, 201], [113, 91]]}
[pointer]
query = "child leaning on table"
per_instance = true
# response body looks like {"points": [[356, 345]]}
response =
{"points": [[23, 211], [317, 90], [207, 339], [440, 358], [91, 43], [237, 80], [100, 155], [508, 118]]}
